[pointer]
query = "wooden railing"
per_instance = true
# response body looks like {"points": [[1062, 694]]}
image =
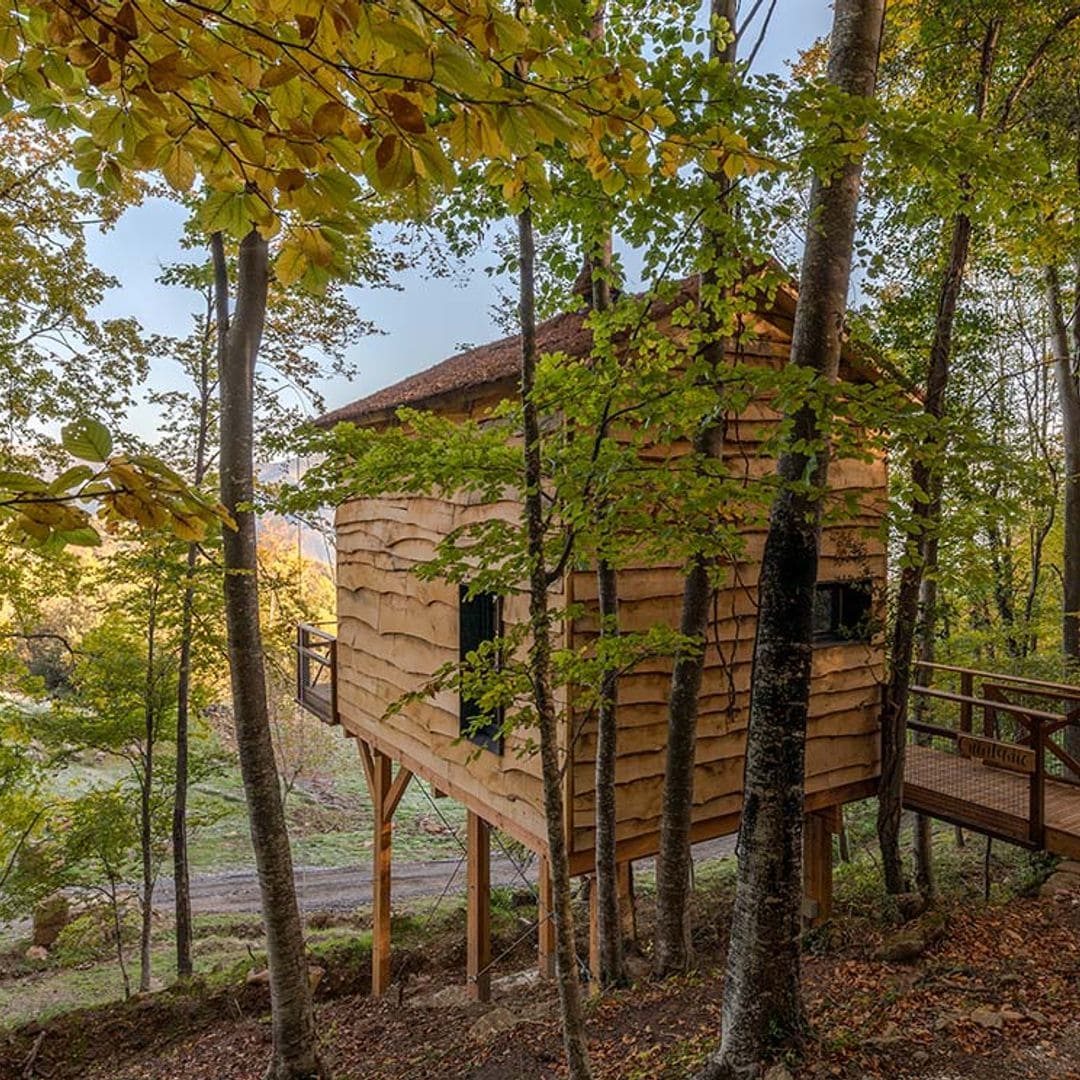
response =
{"points": [[1021, 733], [316, 672]]}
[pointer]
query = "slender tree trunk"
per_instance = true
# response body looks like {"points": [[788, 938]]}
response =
{"points": [[181, 872], [181, 875], [609, 920], [566, 971], [763, 1008], [294, 1042], [146, 791], [1065, 373], [672, 946], [924, 850], [924, 515], [118, 930]]}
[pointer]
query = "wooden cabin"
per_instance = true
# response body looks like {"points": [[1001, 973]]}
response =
{"points": [[395, 630]]}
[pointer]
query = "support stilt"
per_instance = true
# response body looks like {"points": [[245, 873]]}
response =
{"points": [[380, 872], [479, 914], [817, 867], [546, 927], [627, 903]]}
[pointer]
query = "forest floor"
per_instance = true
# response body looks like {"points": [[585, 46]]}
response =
{"points": [[995, 997]]}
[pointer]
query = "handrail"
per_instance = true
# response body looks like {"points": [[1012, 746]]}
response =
{"points": [[1001, 706], [997, 676], [315, 645]]}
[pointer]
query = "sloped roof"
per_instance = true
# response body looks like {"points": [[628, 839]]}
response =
{"points": [[500, 361]]}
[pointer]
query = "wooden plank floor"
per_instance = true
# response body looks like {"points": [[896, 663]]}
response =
{"points": [[995, 801]]}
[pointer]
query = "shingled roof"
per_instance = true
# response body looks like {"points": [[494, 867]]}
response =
{"points": [[500, 361], [483, 366]]}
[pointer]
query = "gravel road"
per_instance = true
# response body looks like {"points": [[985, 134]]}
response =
{"points": [[345, 888]]}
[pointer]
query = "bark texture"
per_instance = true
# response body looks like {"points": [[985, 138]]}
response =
{"points": [[566, 968], [763, 1007], [672, 946], [1065, 374], [925, 514], [292, 1019]]}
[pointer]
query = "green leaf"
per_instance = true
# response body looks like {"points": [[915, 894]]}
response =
{"points": [[87, 439]]}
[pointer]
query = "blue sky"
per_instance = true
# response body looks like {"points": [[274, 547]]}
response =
{"points": [[421, 324]]}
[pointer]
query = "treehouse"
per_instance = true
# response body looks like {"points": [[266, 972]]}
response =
{"points": [[394, 631]]}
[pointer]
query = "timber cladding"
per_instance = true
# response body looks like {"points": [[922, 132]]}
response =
{"points": [[395, 631]]}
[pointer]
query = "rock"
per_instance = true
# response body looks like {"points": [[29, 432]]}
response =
{"points": [[1058, 883], [255, 978], [987, 1018], [909, 943], [517, 980], [492, 1024], [1068, 866], [904, 947], [50, 917], [920, 1057], [37, 953], [1011, 1015], [779, 1071], [315, 976], [1037, 1017]]}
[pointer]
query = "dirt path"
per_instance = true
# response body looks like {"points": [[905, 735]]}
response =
{"points": [[345, 888]]}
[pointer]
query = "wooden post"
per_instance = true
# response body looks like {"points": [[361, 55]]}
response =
{"points": [[967, 689], [478, 964], [380, 871], [1037, 792], [817, 869], [546, 922]]}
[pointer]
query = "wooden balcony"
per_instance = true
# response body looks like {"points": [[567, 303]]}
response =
{"points": [[993, 755], [316, 672]]}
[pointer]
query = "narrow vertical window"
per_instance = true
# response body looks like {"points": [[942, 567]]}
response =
{"points": [[479, 620]]}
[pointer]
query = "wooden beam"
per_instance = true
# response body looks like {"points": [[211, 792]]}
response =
{"points": [[478, 963], [397, 789], [817, 868], [369, 769], [545, 913], [380, 875]]}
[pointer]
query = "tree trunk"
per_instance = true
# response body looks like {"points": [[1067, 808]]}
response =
{"points": [[566, 973], [294, 1053], [924, 851], [146, 791], [672, 947], [181, 874], [925, 512], [1065, 365], [762, 1007], [609, 917]]}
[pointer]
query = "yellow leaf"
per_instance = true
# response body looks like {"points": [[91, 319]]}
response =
{"points": [[179, 168]]}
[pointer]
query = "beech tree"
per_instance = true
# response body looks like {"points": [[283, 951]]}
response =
{"points": [[762, 1007]]}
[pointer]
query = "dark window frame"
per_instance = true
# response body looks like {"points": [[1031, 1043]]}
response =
{"points": [[479, 620], [850, 612]]}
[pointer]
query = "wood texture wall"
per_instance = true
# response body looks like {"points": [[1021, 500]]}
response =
{"points": [[395, 631]]}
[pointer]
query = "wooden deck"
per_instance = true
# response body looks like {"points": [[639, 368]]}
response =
{"points": [[994, 801]]}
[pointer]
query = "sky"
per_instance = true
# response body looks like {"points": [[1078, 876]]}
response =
{"points": [[423, 323]]}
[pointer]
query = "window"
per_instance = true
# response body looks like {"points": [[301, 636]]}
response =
{"points": [[843, 611], [479, 619]]}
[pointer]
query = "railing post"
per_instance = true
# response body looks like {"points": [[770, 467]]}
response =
{"points": [[1036, 808], [967, 689]]}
